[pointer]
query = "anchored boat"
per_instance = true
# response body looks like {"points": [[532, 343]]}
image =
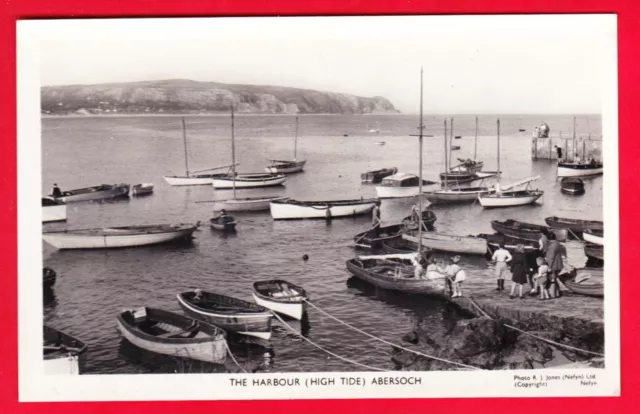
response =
{"points": [[373, 240], [99, 192], [509, 243], [572, 186], [287, 166], [401, 185], [228, 313], [281, 296], [48, 277], [579, 169], [169, 333], [53, 210], [142, 189], [290, 209], [450, 243], [376, 176], [115, 237], [594, 236], [575, 225], [594, 251], [587, 281], [62, 352], [525, 231], [223, 223]]}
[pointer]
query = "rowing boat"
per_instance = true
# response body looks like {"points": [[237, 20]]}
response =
{"points": [[285, 167], [253, 180], [228, 313], [594, 236], [224, 223], [115, 237], [525, 231], [589, 282], [400, 246], [594, 251], [281, 296], [376, 176], [428, 218], [450, 243], [245, 204], [373, 239], [53, 210], [572, 186], [98, 192], [169, 333], [575, 225], [510, 243], [142, 189], [62, 352], [290, 209]]}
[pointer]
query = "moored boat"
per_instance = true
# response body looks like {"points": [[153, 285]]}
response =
{"points": [[372, 239], [289, 209], [99, 192], [253, 180], [285, 167], [456, 195], [588, 282], [575, 225], [245, 204], [53, 210], [594, 236], [428, 218], [116, 237], [455, 147], [281, 296], [376, 176], [192, 179], [594, 251], [223, 223], [142, 189], [525, 231], [579, 169], [62, 352], [401, 246], [468, 165], [450, 243], [572, 186], [228, 313], [510, 243], [48, 277], [169, 333], [401, 185]]}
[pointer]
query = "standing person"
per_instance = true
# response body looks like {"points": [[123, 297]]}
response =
{"points": [[536, 132], [543, 242], [55, 191], [415, 214], [375, 220], [558, 152], [451, 272], [555, 257], [501, 257], [541, 279], [518, 270]]}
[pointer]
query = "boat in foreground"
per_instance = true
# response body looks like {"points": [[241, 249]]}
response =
{"points": [[142, 189], [450, 243], [48, 277], [172, 334], [575, 225], [53, 210], [225, 223], [376, 176], [228, 313], [115, 237], [98, 192], [525, 231], [572, 186], [401, 185], [289, 209], [389, 272], [254, 180], [594, 251], [594, 236], [588, 282], [245, 204], [62, 352], [281, 296], [579, 169]]}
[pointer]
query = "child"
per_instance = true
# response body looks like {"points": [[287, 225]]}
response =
{"points": [[541, 279], [455, 276]]}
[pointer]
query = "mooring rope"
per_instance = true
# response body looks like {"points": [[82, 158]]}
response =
{"points": [[535, 336], [326, 350], [226, 345], [389, 343]]}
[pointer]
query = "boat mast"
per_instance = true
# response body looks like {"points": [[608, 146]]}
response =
{"points": [[475, 145], [186, 151], [233, 153], [295, 145], [450, 144], [574, 140], [446, 165], [498, 123], [420, 170]]}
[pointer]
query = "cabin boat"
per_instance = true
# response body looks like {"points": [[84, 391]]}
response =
{"points": [[467, 165], [370, 240], [594, 236], [450, 243], [525, 231], [169, 333], [401, 185], [579, 169], [572, 186], [226, 223], [53, 210], [376, 176], [281, 296], [290, 209], [228, 313], [116, 237], [99, 192], [253, 180], [142, 189], [62, 352], [48, 277]]}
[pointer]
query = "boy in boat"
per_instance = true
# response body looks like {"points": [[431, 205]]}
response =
{"points": [[501, 257], [55, 191], [222, 216]]}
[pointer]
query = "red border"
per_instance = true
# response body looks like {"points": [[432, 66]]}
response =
{"points": [[629, 74]]}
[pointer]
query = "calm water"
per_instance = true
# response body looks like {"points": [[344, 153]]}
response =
{"points": [[93, 286]]}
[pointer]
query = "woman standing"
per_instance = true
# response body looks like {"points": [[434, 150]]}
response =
{"points": [[518, 270], [555, 257]]}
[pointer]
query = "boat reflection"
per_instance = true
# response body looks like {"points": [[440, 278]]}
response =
{"points": [[250, 358]]}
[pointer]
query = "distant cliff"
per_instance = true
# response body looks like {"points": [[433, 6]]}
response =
{"points": [[186, 96]]}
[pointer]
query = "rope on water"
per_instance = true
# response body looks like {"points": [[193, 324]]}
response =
{"points": [[226, 345], [535, 336], [326, 350], [390, 343]]}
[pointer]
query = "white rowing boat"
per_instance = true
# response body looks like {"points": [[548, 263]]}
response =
{"points": [[255, 180], [245, 204], [594, 236], [53, 210], [289, 209]]}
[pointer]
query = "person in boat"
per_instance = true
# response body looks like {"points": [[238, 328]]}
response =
{"points": [[375, 220], [518, 271], [222, 217], [592, 162], [198, 296], [555, 258], [415, 214], [55, 191], [501, 257], [433, 271]]}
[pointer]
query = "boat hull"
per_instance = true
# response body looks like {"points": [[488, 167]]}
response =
{"points": [[116, 191], [245, 204], [455, 196], [525, 231], [70, 240], [141, 189], [448, 243], [286, 169], [593, 238], [280, 210], [506, 199], [400, 192], [572, 191], [369, 238], [69, 365], [574, 224], [375, 177], [589, 289], [248, 181], [176, 180], [407, 285], [54, 213], [594, 251], [293, 310], [228, 226], [61, 362], [579, 172]]}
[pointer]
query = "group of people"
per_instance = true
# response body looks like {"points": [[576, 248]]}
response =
{"points": [[427, 267], [541, 131], [550, 259]]}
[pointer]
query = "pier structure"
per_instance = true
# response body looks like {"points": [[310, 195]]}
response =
{"points": [[585, 147]]}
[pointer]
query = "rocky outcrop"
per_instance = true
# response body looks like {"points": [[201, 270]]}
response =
{"points": [[185, 96]]}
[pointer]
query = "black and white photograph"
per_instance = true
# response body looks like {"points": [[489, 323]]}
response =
{"points": [[318, 207]]}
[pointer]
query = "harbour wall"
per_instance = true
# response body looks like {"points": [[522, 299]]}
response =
{"points": [[585, 147]]}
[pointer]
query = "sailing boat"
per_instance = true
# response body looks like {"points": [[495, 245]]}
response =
{"points": [[455, 195], [286, 167], [578, 168], [470, 165], [240, 204], [397, 271], [503, 198], [192, 177], [458, 174]]}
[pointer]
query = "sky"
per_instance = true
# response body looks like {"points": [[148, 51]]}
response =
{"points": [[472, 64]]}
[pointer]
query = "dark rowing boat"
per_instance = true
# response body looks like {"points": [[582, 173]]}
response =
{"points": [[62, 352], [401, 246], [574, 225], [594, 251], [572, 186], [589, 282], [376, 176], [370, 239], [525, 231], [223, 223], [510, 243], [428, 218]]}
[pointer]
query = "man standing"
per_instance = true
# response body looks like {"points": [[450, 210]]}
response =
{"points": [[375, 220], [501, 257], [558, 151]]}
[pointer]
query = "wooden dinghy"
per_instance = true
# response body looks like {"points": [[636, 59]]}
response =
{"points": [[169, 333], [228, 313], [525, 231], [290, 209], [455, 147], [401, 246], [369, 239], [450, 243], [594, 236], [457, 195], [48, 277], [99, 192], [376, 176], [245, 204], [587, 282], [253, 180], [468, 165], [594, 251], [576, 226], [579, 169], [53, 210], [142, 189], [285, 167], [116, 237], [62, 352], [428, 219], [394, 274], [401, 185], [281, 296], [510, 243], [572, 186], [226, 223]]}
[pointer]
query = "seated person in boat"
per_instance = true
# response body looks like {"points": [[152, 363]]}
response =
{"points": [[55, 191], [222, 217], [198, 296]]}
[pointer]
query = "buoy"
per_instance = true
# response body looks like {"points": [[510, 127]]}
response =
{"points": [[305, 257]]}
